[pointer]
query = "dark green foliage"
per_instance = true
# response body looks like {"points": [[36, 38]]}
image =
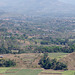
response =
{"points": [[3, 29], [7, 63], [60, 66], [44, 42], [3, 50], [46, 63], [50, 49]]}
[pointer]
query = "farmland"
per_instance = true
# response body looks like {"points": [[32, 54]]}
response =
{"points": [[57, 55], [51, 72], [19, 71]]}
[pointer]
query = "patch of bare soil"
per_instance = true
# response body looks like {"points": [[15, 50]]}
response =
{"points": [[69, 60]]}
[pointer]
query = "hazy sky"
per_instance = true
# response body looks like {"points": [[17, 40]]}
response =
{"points": [[69, 1], [66, 1]]}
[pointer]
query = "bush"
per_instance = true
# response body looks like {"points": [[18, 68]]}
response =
{"points": [[7, 63], [46, 63]]}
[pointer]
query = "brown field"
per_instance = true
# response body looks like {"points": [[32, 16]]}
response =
{"points": [[24, 60], [69, 60]]}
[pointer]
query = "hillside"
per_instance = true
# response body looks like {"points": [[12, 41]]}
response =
{"points": [[26, 60], [70, 60]]}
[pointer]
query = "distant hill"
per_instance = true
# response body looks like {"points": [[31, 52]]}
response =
{"points": [[37, 7]]}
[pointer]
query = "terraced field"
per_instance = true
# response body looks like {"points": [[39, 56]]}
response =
{"points": [[57, 55]]}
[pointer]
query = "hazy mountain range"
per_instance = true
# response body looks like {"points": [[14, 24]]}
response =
{"points": [[37, 7]]}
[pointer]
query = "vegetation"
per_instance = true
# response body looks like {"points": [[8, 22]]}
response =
{"points": [[60, 72], [30, 34], [57, 55], [7, 63], [26, 72], [3, 70], [46, 63]]}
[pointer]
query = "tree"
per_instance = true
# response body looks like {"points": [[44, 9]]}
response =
{"points": [[9, 63], [45, 61]]}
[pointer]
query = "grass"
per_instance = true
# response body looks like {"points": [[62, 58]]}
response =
{"points": [[71, 72], [71, 39], [3, 70], [57, 55], [48, 71], [68, 73], [32, 71], [26, 72], [12, 70]]}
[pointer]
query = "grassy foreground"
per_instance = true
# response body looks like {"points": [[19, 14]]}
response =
{"points": [[3, 70], [23, 72], [69, 72], [9, 71]]}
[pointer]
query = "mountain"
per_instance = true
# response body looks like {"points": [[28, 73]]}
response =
{"points": [[37, 7]]}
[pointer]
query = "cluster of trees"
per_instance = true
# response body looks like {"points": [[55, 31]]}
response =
{"points": [[37, 49], [44, 42], [7, 63], [50, 49], [50, 40], [46, 63]]}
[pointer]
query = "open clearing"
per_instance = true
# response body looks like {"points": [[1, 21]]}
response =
{"points": [[57, 55]]}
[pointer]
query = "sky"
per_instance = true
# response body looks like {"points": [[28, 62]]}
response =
{"points": [[69, 1], [66, 1]]}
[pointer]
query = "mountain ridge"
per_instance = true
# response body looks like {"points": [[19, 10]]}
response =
{"points": [[37, 7]]}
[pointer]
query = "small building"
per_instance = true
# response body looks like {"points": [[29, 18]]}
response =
{"points": [[14, 51]]}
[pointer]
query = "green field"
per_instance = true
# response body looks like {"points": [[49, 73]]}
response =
{"points": [[63, 73], [24, 72], [57, 55], [68, 73], [9, 71], [3, 70]]}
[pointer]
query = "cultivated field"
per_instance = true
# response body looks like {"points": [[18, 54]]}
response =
{"points": [[52, 72], [27, 64], [20, 71], [26, 60], [57, 55]]}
